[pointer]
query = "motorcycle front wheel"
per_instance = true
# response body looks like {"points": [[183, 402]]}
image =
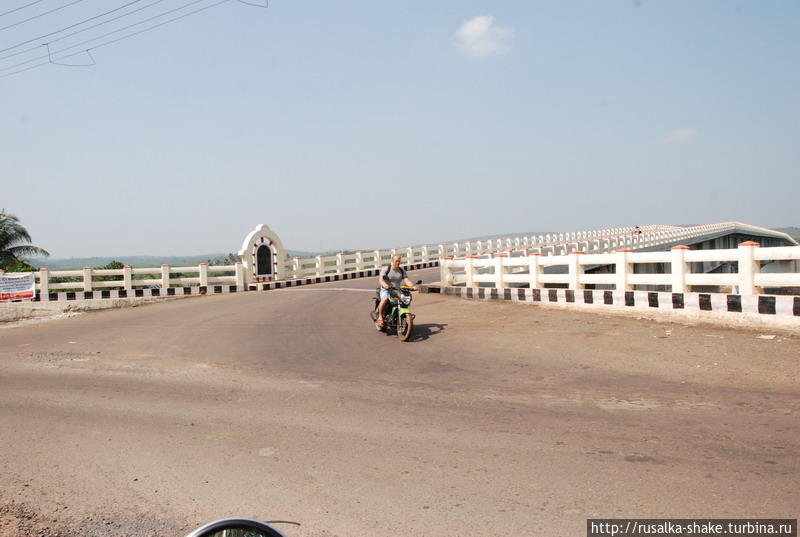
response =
{"points": [[405, 327]]}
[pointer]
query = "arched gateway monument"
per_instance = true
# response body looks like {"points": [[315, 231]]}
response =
{"points": [[263, 256]]}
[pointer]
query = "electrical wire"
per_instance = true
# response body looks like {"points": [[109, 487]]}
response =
{"points": [[72, 64], [117, 39], [19, 8], [70, 26], [40, 15], [81, 31], [103, 35]]}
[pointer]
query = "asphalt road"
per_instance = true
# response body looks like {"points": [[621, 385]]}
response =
{"points": [[498, 419]]}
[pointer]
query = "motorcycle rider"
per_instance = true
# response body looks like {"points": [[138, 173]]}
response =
{"points": [[392, 275]]}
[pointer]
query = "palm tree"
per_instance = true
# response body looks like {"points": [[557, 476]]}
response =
{"points": [[15, 242]]}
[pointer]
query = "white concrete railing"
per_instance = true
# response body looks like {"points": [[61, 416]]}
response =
{"points": [[590, 241], [363, 260], [650, 236], [164, 277], [503, 270]]}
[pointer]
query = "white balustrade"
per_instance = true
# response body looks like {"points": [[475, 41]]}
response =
{"points": [[503, 269]]}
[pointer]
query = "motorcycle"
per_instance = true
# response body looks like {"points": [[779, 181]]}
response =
{"points": [[237, 527], [398, 317]]}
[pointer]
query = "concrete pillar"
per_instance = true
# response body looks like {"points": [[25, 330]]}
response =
{"points": [[320, 269], [44, 284], [339, 263], [678, 267], [165, 276], [377, 258], [410, 255], [469, 270], [87, 278], [297, 269], [239, 276], [445, 276], [623, 269], [360, 260], [575, 269], [498, 270], [203, 274], [127, 277], [424, 253], [748, 268]]}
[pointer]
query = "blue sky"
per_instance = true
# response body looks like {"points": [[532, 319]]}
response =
{"points": [[378, 124]]}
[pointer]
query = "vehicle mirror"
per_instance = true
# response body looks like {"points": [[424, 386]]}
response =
{"points": [[418, 282], [236, 527]]}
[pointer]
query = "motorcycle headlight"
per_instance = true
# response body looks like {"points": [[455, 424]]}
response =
{"points": [[406, 299]]}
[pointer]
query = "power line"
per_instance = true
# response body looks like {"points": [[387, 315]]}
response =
{"points": [[82, 30], [40, 15], [72, 64], [114, 40], [70, 26], [101, 36], [19, 8]]}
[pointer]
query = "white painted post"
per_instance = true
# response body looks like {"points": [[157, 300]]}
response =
{"points": [[678, 267], [87, 278], [165, 276], [127, 277], [425, 256], [533, 269], [297, 269], [623, 269], [359, 260], [203, 267], [339, 263], [410, 255], [377, 261], [469, 270], [445, 277], [44, 284], [575, 270], [320, 266], [748, 268], [239, 276], [498, 270], [442, 251]]}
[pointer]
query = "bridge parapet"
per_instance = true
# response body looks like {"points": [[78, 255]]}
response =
{"points": [[499, 272]]}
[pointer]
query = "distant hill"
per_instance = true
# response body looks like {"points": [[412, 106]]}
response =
{"points": [[135, 260], [794, 232]]}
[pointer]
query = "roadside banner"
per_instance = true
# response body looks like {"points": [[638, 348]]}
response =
{"points": [[17, 286]]}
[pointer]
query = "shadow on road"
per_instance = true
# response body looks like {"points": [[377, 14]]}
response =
{"points": [[424, 331]]}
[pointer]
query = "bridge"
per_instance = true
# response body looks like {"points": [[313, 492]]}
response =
{"points": [[495, 419]]}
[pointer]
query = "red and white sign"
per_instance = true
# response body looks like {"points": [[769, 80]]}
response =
{"points": [[17, 286]]}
